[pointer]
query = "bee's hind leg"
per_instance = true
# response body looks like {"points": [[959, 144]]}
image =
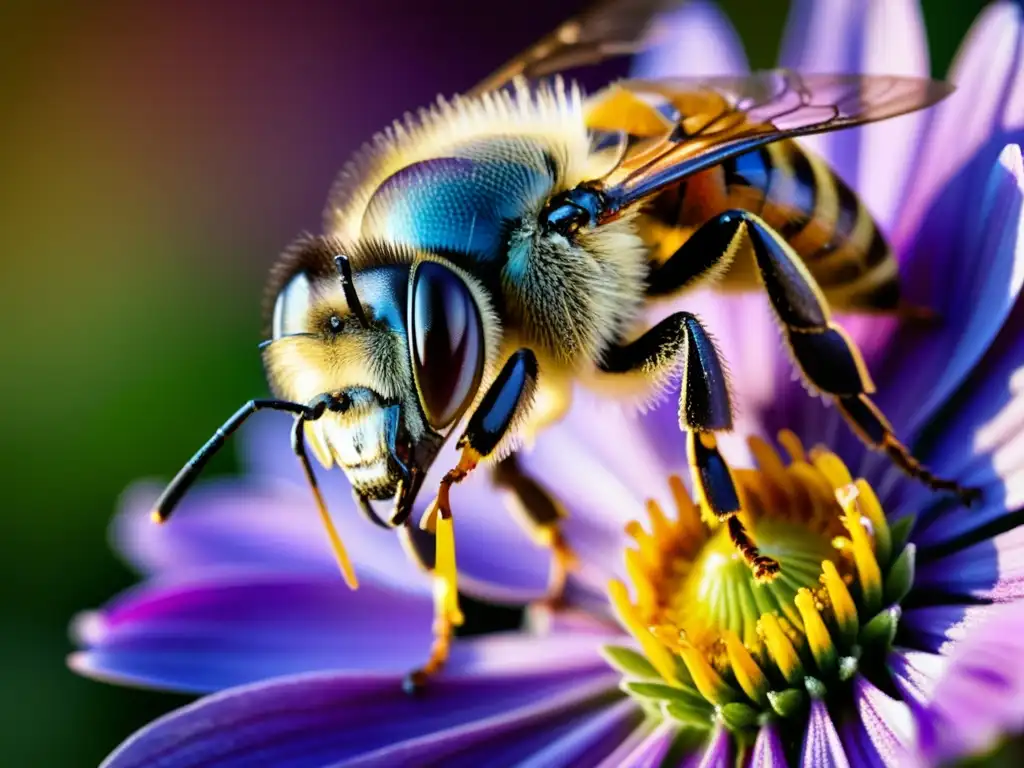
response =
{"points": [[501, 408], [540, 513], [704, 409], [828, 359]]}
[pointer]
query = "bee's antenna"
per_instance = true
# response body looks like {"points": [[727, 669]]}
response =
{"points": [[349, 287]]}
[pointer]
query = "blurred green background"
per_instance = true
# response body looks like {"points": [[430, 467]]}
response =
{"points": [[154, 158]]}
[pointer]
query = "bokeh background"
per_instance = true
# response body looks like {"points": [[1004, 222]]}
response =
{"points": [[154, 158]]}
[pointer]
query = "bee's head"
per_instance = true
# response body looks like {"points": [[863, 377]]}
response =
{"points": [[403, 346]]}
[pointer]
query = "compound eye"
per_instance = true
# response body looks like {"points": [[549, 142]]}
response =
{"points": [[446, 341], [291, 310]]}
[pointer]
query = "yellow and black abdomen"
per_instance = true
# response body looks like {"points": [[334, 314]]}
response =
{"points": [[797, 194]]}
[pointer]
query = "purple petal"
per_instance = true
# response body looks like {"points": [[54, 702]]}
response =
{"points": [[544, 620], [822, 746], [983, 281], [699, 41], [987, 71], [327, 719], [227, 523], [916, 673], [937, 628], [579, 736], [717, 753], [991, 570], [881, 734], [648, 752], [768, 749], [211, 633], [981, 695], [873, 38], [592, 740]]}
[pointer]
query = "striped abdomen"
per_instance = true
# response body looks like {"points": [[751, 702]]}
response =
{"points": [[799, 196]]}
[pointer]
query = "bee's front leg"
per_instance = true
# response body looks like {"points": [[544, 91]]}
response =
{"points": [[704, 409], [504, 404]]}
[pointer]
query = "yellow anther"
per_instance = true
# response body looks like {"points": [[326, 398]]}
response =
{"points": [[710, 684], [843, 607], [793, 446], [832, 467], [661, 529], [819, 489], [641, 580], [748, 673], [818, 638], [446, 585], [688, 514], [648, 549], [872, 510], [653, 648], [781, 649], [769, 463], [868, 572]]}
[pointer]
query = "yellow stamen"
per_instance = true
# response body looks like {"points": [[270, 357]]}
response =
{"points": [[832, 467], [868, 572], [710, 630], [638, 574], [748, 673], [661, 529], [649, 551], [818, 638], [655, 651], [872, 510], [688, 514], [780, 648], [710, 684], [843, 607], [446, 585], [793, 446], [770, 465]]}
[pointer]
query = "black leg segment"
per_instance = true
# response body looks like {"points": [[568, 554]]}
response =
{"points": [[705, 404], [704, 408], [506, 398], [826, 356]]}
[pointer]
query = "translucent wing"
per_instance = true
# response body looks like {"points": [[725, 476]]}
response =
{"points": [[694, 123], [607, 30]]}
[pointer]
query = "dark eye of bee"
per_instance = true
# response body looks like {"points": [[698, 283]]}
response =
{"points": [[446, 340], [335, 324]]}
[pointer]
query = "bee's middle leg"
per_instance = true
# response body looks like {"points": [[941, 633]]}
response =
{"points": [[704, 409], [541, 514]]}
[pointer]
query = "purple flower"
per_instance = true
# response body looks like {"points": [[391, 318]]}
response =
{"points": [[892, 636]]}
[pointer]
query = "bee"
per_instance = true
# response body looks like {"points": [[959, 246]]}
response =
{"points": [[480, 259]]}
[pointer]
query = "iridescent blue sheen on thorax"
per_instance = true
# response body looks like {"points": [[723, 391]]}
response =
{"points": [[462, 204]]}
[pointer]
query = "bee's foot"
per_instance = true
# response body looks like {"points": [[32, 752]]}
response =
{"points": [[765, 569], [415, 682]]}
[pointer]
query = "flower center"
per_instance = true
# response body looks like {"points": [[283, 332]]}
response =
{"points": [[721, 646]]}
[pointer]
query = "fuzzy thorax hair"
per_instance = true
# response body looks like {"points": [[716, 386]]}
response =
{"points": [[547, 123]]}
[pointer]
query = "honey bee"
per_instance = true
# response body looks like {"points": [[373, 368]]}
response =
{"points": [[505, 244]]}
